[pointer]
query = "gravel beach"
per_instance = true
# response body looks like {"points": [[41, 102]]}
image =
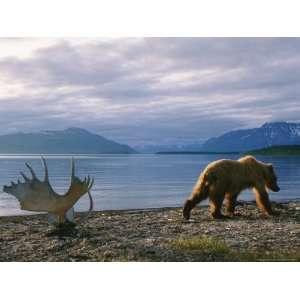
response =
{"points": [[157, 235]]}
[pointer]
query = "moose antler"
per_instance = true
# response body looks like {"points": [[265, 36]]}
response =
{"points": [[37, 195]]}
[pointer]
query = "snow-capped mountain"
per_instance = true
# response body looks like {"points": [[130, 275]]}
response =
{"points": [[269, 134]]}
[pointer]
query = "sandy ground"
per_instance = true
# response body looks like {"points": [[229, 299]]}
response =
{"points": [[153, 235]]}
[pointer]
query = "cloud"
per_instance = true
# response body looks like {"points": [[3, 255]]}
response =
{"points": [[151, 90]]}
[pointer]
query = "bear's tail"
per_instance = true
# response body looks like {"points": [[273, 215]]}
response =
{"points": [[201, 190]]}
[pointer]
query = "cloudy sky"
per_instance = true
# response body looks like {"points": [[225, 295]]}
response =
{"points": [[152, 90]]}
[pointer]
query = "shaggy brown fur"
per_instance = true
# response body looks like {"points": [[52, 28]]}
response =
{"points": [[226, 179]]}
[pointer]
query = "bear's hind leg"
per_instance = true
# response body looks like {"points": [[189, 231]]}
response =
{"points": [[198, 195], [230, 204], [216, 200], [190, 204]]}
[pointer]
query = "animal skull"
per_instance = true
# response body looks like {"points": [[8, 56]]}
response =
{"points": [[37, 195]]}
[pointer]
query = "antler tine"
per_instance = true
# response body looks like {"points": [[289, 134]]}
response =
{"points": [[24, 176], [46, 179], [91, 184], [31, 171], [88, 180], [72, 169]]}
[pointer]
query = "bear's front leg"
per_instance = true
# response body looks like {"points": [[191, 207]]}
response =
{"points": [[263, 202]]}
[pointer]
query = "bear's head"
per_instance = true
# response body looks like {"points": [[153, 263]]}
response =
{"points": [[271, 179]]}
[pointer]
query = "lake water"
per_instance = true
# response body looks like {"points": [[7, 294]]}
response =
{"points": [[136, 181]]}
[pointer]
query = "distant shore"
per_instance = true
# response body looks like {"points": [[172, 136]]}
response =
{"points": [[157, 235], [194, 152], [284, 150]]}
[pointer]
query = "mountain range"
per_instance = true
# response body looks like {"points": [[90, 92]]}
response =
{"points": [[71, 141], [167, 148], [81, 141], [269, 134], [243, 140]]}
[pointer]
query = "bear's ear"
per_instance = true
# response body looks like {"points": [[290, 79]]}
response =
{"points": [[270, 166]]}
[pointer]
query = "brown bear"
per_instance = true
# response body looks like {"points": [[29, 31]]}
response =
{"points": [[226, 178]]}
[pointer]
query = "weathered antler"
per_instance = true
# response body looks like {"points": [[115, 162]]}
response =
{"points": [[37, 195]]}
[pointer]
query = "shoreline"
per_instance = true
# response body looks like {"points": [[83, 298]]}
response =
{"points": [[157, 234], [133, 210]]}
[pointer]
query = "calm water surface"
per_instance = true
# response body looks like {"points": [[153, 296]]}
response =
{"points": [[136, 181]]}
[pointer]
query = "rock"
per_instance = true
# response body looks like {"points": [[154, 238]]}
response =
{"points": [[108, 253]]}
